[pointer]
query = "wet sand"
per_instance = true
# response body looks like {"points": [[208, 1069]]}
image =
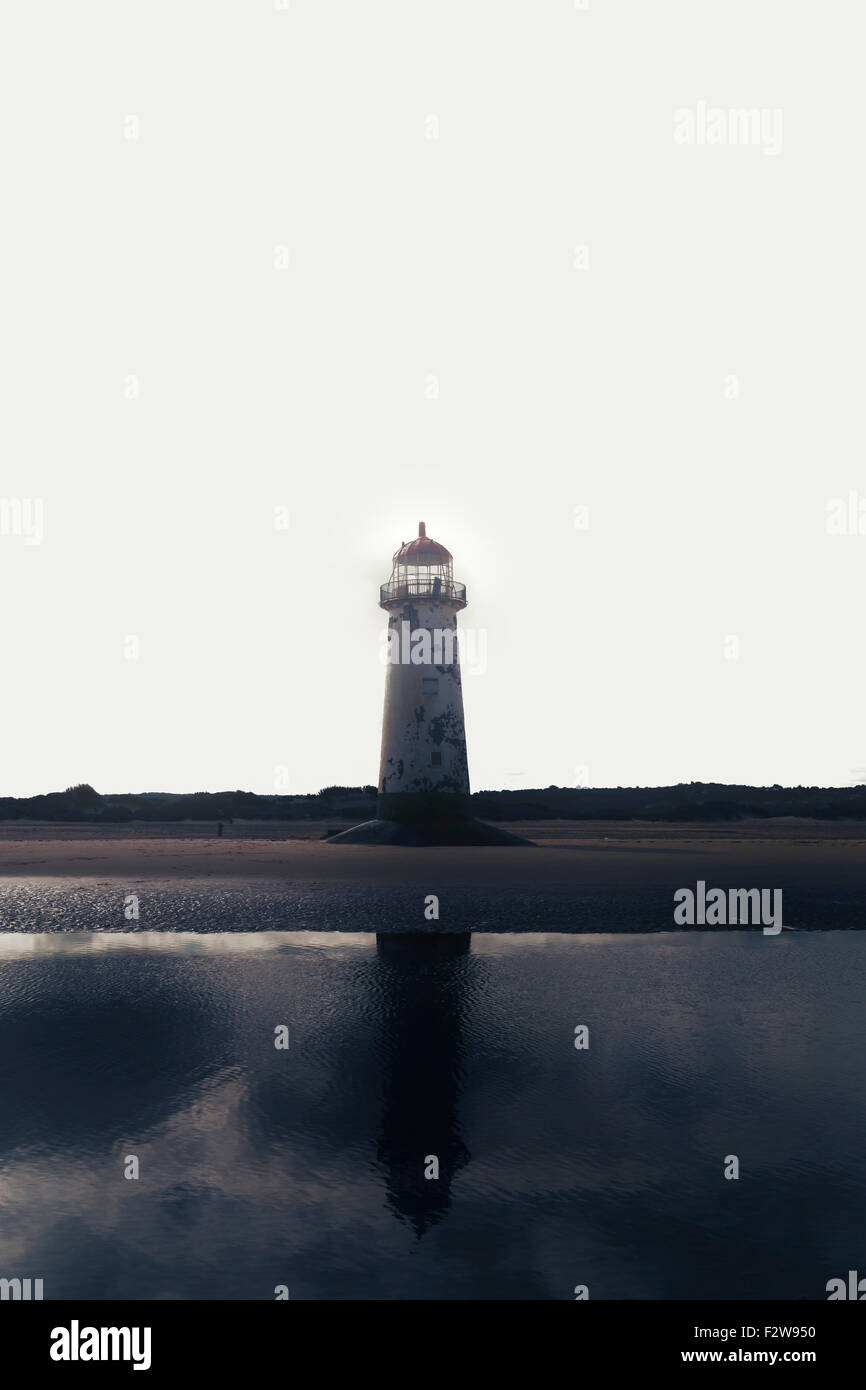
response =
{"points": [[580, 876]]}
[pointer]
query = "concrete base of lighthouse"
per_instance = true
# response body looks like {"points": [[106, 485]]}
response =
{"points": [[425, 818], [439, 830]]}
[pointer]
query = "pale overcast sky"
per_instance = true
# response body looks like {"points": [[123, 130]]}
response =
{"points": [[384, 262]]}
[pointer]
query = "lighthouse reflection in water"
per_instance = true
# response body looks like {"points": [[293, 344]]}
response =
{"points": [[431, 1132], [422, 1065]]}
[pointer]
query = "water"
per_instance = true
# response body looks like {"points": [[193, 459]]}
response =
{"points": [[558, 1167]]}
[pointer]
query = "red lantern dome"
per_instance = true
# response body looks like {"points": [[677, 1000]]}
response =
{"points": [[422, 550]]}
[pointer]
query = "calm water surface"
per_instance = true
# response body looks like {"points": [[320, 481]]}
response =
{"points": [[305, 1167]]}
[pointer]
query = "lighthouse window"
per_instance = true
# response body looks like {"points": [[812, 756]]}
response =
{"points": [[430, 685], [436, 759]]}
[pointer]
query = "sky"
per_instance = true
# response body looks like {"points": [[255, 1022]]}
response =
{"points": [[279, 282]]}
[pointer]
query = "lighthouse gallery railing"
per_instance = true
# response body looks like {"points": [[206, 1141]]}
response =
{"points": [[422, 588]]}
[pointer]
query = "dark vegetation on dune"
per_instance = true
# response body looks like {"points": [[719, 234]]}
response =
{"points": [[692, 801]]}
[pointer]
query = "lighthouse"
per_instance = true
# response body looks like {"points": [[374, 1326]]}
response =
{"points": [[423, 784], [423, 769]]}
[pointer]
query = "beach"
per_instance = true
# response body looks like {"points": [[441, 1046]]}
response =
{"points": [[145, 969], [577, 876]]}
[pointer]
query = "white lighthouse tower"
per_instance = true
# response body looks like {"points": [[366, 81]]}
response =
{"points": [[423, 771], [423, 786]]}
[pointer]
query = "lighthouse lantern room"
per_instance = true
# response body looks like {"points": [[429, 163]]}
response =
{"points": [[422, 568]]}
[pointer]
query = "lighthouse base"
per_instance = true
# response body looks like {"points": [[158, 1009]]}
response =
{"points": [[443, 830]]}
